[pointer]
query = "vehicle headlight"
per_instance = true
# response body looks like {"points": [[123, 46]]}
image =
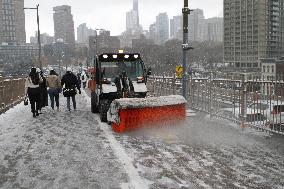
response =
{"points": [[140, 79]]}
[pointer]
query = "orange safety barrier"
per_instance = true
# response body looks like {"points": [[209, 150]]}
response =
{"points": [[133, 118]]}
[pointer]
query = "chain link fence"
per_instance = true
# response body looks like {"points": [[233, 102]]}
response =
{"points": [[247, 99], [12, 92]]}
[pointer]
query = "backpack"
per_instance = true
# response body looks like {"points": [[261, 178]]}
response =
{"points": [[35, 80]]}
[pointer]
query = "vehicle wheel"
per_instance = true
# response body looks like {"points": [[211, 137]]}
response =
{"points": [[142, 95], [94, 107], [103, 116], [103, 113]]}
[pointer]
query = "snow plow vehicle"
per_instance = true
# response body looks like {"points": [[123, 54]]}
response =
{"points": [[119, 91]]}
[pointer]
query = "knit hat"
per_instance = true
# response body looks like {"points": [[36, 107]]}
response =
{"points": [[69, 69]]}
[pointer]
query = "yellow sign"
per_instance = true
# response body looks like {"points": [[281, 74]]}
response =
{"points": [[179, 71]]}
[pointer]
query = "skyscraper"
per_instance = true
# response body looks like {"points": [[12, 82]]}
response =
{"points": [[12, 22], [176, 27], [135, 5], [162, 27], [197, 30], [252, 30], [83, 33], [215, 29], [132, 20], [132, 17], [153, 32], [64, 25]]}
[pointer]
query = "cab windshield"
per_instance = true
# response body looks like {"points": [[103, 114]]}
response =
{"points": [[112, 70]]}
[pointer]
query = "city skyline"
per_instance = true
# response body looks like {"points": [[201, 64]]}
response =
{"points": [[99, 18]]}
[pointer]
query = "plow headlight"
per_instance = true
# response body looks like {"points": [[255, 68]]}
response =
{"points": [[136, 56], [114, 56], [126, 56], [106, 80], [140, 79], [105, 56]]}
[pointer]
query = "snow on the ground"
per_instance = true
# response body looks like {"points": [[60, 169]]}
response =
{"points": [[135, 180], [204, 154], [57, 150], [75, 150]]}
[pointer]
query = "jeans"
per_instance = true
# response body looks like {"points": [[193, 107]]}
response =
{"points": [[34, 96], [68, 102], [54, 95]]}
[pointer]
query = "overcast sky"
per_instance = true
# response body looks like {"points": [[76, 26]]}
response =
{"points": [[110, 14]]}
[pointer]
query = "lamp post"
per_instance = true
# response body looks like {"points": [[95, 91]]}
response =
{"points": [[185, 46], [38, 35]]}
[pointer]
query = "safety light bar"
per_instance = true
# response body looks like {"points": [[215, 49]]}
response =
{"points": [[114, 57]]}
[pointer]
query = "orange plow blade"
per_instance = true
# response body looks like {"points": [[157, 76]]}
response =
{"points": [[133, 113]]}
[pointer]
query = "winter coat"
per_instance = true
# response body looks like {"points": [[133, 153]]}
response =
{"points": [[70, 83], [29, 83], [43, 92], [53, 82]]}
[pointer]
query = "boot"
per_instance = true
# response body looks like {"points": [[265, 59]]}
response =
{"points": [[34, 114], [37, 114]]}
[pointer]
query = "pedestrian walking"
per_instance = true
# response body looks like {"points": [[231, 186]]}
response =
{"points": [[79, 79], [84, 79], [54, 88], [32, 90], [70, 83], [43, 91]]}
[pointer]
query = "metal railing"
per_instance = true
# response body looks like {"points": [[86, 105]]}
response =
{"points": [[12, 92], [244, 99]]}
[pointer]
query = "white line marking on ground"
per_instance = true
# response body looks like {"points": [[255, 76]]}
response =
{"points": [[135, 180]]}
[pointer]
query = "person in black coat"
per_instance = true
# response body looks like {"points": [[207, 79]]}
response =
{"points": [[69, 83], [32, 90], [43, 92]]}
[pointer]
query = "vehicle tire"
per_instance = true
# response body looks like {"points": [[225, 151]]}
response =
{"points": [[94, 107], [103, 112]]}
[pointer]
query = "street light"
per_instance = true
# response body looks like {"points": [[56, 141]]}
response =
{"points": [[185, 46], [38, 35]]}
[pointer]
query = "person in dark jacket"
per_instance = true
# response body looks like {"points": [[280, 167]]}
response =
{"points": [[69, 83], [43, 91], [79, 80], [32, 90]]}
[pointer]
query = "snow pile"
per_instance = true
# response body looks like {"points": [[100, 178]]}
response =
{"points": [[135, 103]]}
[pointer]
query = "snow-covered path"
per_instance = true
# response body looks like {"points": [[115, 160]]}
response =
{"points": [[57, 150], [75, 150]]}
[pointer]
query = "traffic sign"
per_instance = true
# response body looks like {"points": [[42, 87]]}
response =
{"points": [[179, 71]]}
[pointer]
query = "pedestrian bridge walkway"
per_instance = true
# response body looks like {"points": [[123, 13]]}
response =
{"points": [[75, 150], [57, 149]]}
